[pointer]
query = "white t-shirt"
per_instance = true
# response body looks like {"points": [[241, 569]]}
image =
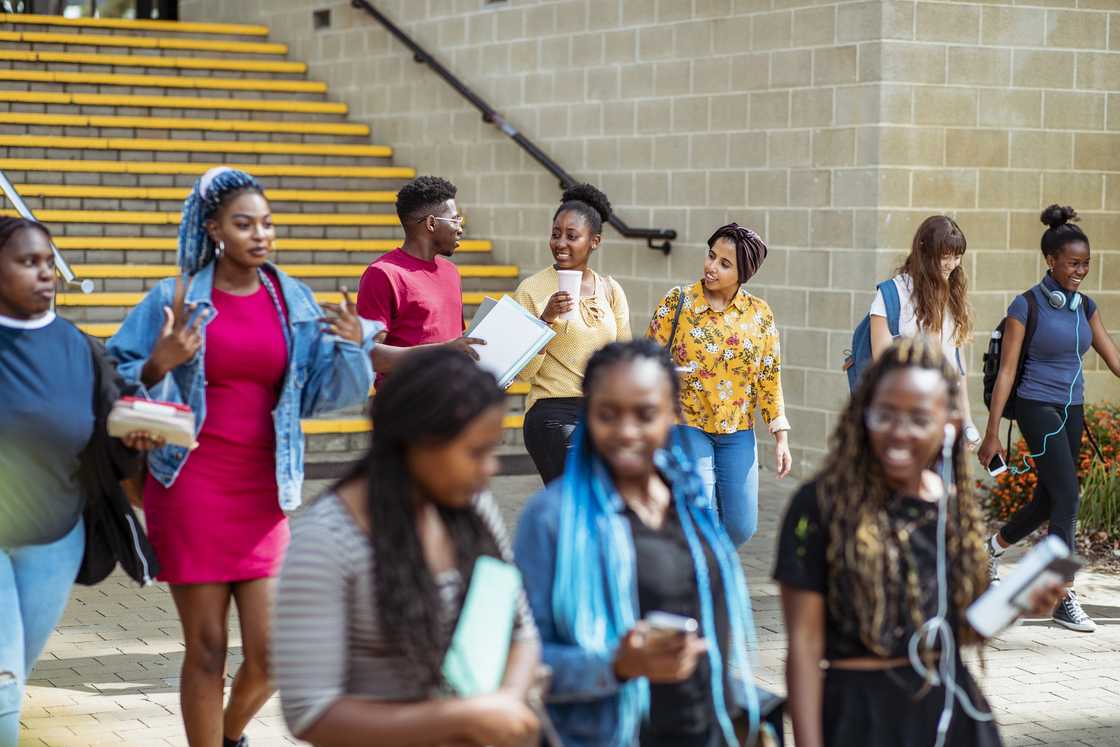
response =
{"points": [[907, 318]]}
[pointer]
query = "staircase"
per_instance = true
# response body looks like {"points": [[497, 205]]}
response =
{"points": [[105, 124]]}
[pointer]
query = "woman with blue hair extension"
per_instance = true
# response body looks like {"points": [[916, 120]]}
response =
{"points": [[250, 351], [625, 533]]}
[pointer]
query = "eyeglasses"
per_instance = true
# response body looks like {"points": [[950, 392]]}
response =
{"points": [[456, 221], [880, 421]]}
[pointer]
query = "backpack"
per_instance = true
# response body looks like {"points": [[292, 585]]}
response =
{"points": [[859, 357], [993, 357]]}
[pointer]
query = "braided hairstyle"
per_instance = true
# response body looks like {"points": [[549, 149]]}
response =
{"points": [[750, 249], [432, 396], [866, 585], [1061, 230], [589, 202], [628, 352], [213, 190], [9, 227]]}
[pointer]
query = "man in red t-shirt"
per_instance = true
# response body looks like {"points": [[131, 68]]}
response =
{"points": [[414, 290]]}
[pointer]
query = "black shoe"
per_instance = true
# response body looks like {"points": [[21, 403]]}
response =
{"points": [[242, 741], [1069, 614]]}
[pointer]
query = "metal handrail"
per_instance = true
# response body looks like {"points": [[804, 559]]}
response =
{"points": [[60, 263], [664, 235]]}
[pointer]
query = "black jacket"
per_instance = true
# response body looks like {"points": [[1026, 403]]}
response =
{"points": [[113, 534]]}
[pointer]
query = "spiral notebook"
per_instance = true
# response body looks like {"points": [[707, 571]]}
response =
{"points": [[513, 336]]}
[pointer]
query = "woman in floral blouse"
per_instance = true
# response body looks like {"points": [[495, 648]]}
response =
{"points": [[725, 343]]}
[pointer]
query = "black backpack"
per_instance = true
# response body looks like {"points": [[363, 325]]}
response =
{"points": [[994, 355]]}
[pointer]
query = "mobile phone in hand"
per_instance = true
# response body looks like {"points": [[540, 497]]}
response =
{"points": [[997, 465], [667, 625]]}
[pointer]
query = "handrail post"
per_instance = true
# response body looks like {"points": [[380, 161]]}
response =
{"points": [[664, 236], [60, 263]]}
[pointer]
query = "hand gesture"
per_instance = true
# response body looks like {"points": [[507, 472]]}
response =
{"points": [[142, 441], [658, 657], [559, 303], [344, 323], [500, 720], [179, 341], [1044, 600], [989, 447], [466, 345]]}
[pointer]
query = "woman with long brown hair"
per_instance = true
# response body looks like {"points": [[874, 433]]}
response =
{"points": [[932, 291], [861, 573]]}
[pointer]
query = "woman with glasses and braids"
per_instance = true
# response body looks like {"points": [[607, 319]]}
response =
{"points": [[724, 342], [857, 563], [623, 534], [250, 351], [555, 376], [376, 575]]}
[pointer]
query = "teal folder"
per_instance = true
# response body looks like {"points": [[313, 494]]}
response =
{"points": [[476, 660]]}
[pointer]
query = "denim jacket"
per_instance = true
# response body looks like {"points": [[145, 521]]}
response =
{"points": [[582, 702], [324, 372]]}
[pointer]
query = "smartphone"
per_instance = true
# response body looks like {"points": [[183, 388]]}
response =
{"points": [[997, 465], [665, 624]]}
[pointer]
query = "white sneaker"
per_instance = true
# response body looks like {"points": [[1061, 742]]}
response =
{"points": [[1069, 614]]}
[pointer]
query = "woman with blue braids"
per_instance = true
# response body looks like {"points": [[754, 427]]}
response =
{"points": [[250, 351], [623, 534]]}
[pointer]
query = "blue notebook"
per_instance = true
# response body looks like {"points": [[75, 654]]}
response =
{"points": [[476, 660]]}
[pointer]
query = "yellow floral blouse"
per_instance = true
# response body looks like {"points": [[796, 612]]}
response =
{"points": [[730, 360]]}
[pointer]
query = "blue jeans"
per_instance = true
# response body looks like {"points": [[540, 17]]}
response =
{"points": [[728, 464], [35, 583]]}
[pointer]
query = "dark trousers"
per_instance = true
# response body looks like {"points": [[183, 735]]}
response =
{"points": [[548, 432], [1057, 496]]}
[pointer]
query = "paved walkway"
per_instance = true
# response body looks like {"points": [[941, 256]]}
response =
{"points": [[110, 672]]}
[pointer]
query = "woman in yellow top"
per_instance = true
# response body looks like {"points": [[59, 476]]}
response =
{"points": [[725, 344], [555, 377]]}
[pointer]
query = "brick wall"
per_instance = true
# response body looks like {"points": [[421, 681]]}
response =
{"points": [[831, 127]]}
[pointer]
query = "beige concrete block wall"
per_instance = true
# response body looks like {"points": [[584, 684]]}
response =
{"points": [[832, 128]]}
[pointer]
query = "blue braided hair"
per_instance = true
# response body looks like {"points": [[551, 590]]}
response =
{"points": [[594, 602], [196, 248]]}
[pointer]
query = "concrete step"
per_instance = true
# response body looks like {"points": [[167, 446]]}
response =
{"points": [[57, 77], [86, 125], [126, 148], [56, 170], [148, 61], [160, 103], [136, 26]]}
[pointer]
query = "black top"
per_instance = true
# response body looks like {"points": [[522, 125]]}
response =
{"points": [[680, 714], [802, 563]]}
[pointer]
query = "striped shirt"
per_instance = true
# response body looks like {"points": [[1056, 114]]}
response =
{"points": [[328, 641]]}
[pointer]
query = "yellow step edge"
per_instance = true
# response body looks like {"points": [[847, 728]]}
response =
{"points": [[157, 244], [36, 119], [183, 27], [174, 102], [299, 271], [143, 42], [470, 298], [196, 146], [199, 168], [361, 425], [165, 81], [148, 60], [159, 218], [83, 191], [105, 330]]}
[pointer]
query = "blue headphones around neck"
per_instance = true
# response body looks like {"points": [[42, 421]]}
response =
{"points": [[1057, 298]]}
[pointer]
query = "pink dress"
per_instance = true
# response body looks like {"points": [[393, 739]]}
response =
{"points": [[220, 521]]}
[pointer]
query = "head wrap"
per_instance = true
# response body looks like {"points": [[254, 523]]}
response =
{"points": [[750, 249], [196, 248]]}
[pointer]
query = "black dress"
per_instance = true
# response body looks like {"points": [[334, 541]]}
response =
{"points": [[885, 708]]}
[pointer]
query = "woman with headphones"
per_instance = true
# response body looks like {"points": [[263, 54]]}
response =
{"points": [[1050, 392]]}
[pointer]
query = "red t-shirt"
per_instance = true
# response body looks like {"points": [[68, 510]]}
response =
{"points": [[418, 302]]}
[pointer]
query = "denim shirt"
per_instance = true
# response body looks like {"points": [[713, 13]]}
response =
{"points": [[324, 372], [583, 700]]}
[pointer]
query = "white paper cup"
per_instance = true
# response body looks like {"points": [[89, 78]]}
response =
{"points": [[570, 281]]}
